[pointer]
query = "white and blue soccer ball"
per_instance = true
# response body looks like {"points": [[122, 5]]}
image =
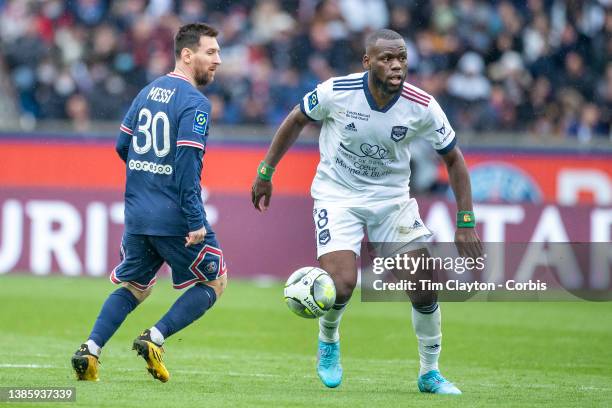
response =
{"points": [[310, 292]]}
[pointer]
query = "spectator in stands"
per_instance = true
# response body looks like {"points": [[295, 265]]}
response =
{"points": [[77, 110], [604, 101], [588, 125], [364, 15], [470, 89]]}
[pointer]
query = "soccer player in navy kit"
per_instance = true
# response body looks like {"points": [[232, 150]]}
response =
{"points": [[162, 140]]}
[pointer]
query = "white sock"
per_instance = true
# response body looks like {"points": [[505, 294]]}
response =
{"points": [[329, 322], [93, 347], [428, 331], [156, 336]]}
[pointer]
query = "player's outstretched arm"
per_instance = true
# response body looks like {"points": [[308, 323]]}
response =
{"points": [[285, 136], [467, 240]]}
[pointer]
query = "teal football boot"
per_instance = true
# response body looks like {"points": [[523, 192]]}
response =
{"points": [[433, 382], [328, 364]]}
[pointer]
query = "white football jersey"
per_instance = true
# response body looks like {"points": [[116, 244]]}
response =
{"points": [[364, 149]]}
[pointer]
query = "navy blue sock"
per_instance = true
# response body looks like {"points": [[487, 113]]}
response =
{"points": [[114, 311], [188, 308]]}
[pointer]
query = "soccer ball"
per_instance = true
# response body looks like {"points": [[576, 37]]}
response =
{"points": [[310, 292]]}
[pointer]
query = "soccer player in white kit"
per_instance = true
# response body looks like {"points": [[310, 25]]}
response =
{"points": [[362, 182]]}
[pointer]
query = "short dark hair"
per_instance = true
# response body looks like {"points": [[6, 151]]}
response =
{"points": [[381, 34], [188, 36]]}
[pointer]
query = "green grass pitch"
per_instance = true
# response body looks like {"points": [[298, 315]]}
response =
{"points": [[249, 350]]}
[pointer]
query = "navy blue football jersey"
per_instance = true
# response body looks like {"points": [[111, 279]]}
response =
{"points": [[162, 140]]}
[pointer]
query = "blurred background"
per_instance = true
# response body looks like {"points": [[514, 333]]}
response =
{"points": [[527, 84], [536, 66]]}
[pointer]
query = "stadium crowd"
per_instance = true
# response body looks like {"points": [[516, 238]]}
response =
{"points": [[539, 66]]}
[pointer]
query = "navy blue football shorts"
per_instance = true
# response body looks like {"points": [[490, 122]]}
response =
{"points": [[143, 255]]}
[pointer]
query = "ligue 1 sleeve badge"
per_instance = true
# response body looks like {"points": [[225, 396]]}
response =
{"points": [[199, 122], [313, 100]]}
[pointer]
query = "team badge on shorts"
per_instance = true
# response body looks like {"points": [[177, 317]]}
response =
{"points": [[313, 100], [211, 267], [199, 122], [398, 133], [324, 237]]}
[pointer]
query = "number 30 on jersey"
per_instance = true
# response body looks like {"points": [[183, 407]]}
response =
{"points": [[149, 129]]}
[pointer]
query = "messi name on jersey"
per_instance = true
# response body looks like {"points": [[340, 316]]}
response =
{"points": [[162, 95]]}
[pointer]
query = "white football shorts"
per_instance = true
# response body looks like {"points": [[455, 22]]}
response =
{"points": [[339, 227]]}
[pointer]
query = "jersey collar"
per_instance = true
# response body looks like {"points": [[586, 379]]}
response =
{"points": [[179, 76], [371, 100]]}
